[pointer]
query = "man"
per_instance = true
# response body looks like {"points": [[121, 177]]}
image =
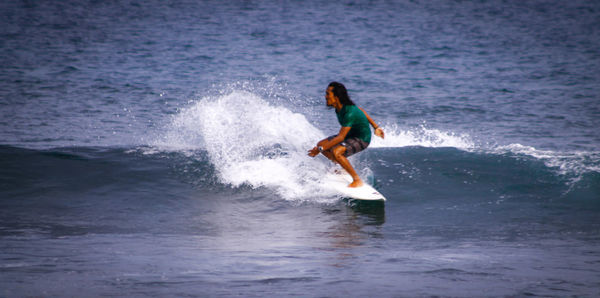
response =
{"points": [[353, 137]]}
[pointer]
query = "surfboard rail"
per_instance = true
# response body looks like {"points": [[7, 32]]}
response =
{"points": [[339, 183]]}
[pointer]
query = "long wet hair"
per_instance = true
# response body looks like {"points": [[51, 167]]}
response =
{"points": [[340, 91]]}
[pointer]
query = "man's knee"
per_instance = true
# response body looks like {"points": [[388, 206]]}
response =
{"points": [[339, 151]]}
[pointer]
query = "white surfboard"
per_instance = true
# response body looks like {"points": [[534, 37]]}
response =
{"points": [[339, 182]]}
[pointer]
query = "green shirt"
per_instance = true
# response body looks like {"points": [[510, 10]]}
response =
{"points": [[352, 116]]}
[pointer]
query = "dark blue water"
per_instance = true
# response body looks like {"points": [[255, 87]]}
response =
{"points": [[159, 149]]}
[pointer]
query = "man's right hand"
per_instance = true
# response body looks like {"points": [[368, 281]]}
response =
{"points": [[313, 152]]}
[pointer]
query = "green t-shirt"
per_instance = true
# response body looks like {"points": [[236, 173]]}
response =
{"points": [[352, 116]]}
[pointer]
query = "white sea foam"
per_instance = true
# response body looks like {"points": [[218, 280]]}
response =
{"points": [[421, 136], [569, 163], [251, 142]]}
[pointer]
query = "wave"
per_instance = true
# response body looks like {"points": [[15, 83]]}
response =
{"points": [[409, 173], [250, 141], [239, 139], [571, 164], [566, 162]]}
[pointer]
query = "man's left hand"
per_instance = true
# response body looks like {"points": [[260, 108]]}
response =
{"points": [[379, 132]]}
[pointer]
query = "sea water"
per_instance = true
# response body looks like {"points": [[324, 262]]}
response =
{"points": [[160, 148]]}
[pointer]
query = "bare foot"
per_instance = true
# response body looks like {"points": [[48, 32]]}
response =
{"points": [[356, 183]]}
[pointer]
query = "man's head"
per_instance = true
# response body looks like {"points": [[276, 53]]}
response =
{"points": [[339, 91]]}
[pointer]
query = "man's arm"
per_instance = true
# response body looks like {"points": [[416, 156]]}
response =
{"points": [[328, 144], [378, 130], [338, 139]]}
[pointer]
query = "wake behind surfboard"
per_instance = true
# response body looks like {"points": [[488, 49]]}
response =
{"points": [[339, 183]]}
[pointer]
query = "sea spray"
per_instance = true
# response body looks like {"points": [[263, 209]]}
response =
{"points": [[421, 136], [251, 142]]}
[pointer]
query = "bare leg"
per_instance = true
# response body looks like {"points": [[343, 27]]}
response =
{"points": [[338, 154], [327, 153]]}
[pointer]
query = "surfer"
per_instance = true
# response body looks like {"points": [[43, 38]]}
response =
{"points": [[353, 137]]}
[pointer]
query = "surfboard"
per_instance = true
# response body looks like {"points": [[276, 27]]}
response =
{"points": [[339, 183]]}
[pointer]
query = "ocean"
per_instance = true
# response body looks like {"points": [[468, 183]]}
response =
{"points": [[159, 148]]}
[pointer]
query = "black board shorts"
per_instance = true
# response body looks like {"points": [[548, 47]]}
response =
{"points": [[353, 145]]}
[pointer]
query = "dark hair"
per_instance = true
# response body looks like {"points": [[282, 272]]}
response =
{"points": [[340, 91]]}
